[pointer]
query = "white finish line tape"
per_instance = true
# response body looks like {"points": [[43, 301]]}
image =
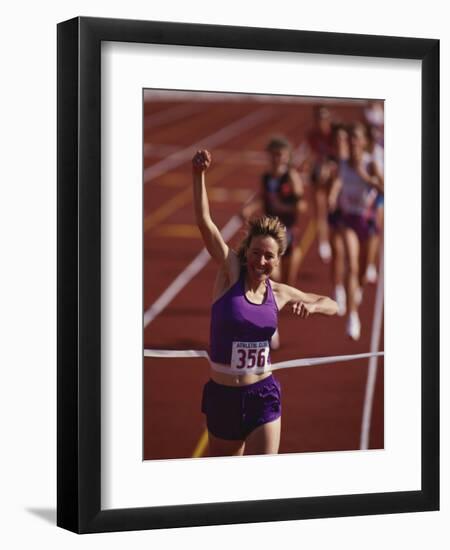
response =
{"points": [[170, 354]]}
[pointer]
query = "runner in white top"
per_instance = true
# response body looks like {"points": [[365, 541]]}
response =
{"points": [[348, 201]]}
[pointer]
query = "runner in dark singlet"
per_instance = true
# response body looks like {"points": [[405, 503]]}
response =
{"points": [[281, 195]]}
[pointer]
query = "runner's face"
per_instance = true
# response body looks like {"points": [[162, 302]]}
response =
{"points": [[262, 257], [323, 121], [279, 157], [341, 137]]}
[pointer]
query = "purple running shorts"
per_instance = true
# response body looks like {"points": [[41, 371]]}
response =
{"points": [[233, 412], [362, 226]]}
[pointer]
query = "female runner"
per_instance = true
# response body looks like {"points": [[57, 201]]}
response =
{"points": [[375, 154], [350, 215], [341, 153], [242, 399], [320, 142]]}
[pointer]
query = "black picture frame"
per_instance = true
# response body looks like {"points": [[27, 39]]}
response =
{"points": [[79, 275]]}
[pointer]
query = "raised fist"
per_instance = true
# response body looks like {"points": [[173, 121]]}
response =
{"points": [[201, 161]]}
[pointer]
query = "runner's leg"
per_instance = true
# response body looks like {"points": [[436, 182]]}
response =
{"points": [[224, 447], [352, 248], [264, 439]]}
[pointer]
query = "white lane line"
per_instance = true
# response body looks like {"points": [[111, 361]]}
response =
{"points": [[188, 273], [373, 361], [159, 150], [219, 137], [171, 115]]}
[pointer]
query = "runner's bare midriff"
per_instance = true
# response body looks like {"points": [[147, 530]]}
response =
{"points": [[234, 379]]}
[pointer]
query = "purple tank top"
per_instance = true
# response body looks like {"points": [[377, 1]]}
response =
{"points": [[241, 330]]}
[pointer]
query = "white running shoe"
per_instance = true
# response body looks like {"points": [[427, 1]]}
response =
{"points": [[358, 296], [275, 341], [354, 326], [340, 297], [371, 274], [325, 251]]}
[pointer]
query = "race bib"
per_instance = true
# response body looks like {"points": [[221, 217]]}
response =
{"points": [[250, 356]]}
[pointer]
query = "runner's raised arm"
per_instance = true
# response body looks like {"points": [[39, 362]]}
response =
{"points": [[212, 238]]}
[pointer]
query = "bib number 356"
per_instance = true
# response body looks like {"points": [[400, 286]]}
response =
{"points": [[250, 355]]}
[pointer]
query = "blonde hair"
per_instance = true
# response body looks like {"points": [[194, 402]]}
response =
{"points": [[264, 226]]}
